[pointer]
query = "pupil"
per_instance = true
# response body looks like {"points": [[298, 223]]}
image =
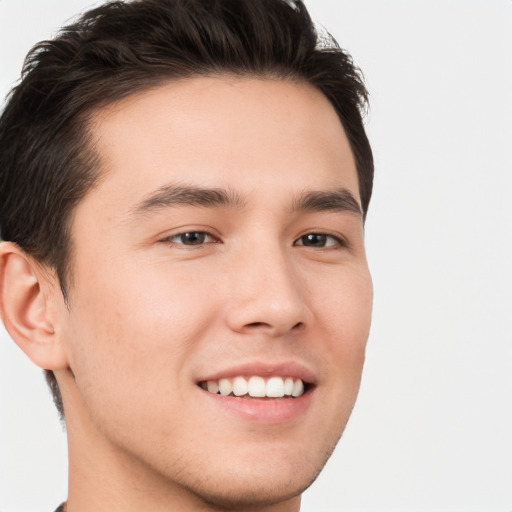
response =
{"points": [[314, 239], [193, 238]]}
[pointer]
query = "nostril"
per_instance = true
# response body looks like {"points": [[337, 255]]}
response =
{"points": [[266, 325], [258, 324]]}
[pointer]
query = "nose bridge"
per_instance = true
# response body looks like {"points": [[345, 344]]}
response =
{"points": [[267, 295]]}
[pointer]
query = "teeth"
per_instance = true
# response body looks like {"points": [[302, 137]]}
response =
{"points": [[275, 387], [213, 386], [240, 386], [257, 387], [288, 386], [225, 387], [298, 388]]}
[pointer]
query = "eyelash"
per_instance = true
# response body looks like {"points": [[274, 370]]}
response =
{"points": [[338, 241]]}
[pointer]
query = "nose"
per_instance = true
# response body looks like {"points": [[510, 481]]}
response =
{"points": [[267, 295]]}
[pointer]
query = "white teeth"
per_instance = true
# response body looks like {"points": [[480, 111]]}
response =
{"points": [[213, 386], [240, 386], [275, 387], [257, 387], [288, 386], [298, 388], [225, 387]]}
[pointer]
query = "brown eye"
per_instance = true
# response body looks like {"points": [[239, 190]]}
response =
{"points": [[318, 240], [191, 238]]}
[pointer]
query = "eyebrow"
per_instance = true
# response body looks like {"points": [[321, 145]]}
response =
{"points": [[170, 195], [340, 200], [189, 195]]}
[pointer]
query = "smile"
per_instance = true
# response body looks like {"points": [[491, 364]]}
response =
{"points": [[256, 387]]}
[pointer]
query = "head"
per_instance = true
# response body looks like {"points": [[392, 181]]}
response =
{"points": [[226, 138]]}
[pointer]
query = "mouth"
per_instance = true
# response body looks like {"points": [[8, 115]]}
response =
{"points": [[257, 386], [260, 392]]}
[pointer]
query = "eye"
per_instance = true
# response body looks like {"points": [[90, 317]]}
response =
{"points": [[319, 240], [191, 238]]}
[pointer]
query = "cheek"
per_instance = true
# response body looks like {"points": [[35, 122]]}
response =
{"points": [[346, 318], [131, 335]]}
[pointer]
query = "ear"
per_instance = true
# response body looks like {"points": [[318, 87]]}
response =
{"points": [[27, 307]]}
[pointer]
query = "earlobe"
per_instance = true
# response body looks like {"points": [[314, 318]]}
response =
{"points": [[24, 307]]}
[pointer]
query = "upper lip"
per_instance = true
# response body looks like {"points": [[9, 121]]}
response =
{"points": [[264, 369]]}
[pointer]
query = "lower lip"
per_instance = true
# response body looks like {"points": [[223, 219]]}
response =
{"points": [[264, 411]]}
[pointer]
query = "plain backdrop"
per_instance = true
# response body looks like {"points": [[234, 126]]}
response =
{"points": [[432, 429]]}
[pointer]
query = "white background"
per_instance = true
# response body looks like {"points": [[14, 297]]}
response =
{"points": [[432, 430]]}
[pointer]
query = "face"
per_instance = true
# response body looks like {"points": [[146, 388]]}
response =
{"points": [[222, 248]]}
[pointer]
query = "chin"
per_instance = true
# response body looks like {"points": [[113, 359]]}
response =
{"points": [[266, 480], [250, 493]]}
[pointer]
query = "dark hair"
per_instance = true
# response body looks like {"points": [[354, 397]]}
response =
{"points": [[47, 164]]}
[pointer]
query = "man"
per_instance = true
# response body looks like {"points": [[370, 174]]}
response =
{"points": [[184, 186]]}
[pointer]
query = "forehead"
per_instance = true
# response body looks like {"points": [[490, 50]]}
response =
{"points": [[230, 132]]}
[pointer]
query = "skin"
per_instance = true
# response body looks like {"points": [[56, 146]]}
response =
{"points": [[150, 316]]}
